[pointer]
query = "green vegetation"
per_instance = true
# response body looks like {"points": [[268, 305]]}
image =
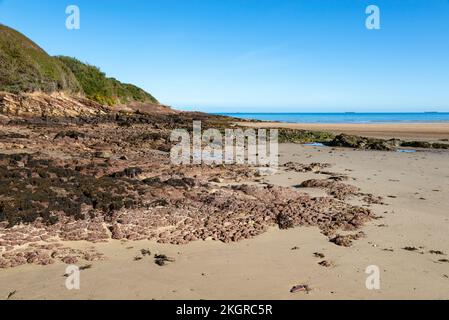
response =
{"points": [[104, 90], [425, 145], [303, 136], [25, 67]]}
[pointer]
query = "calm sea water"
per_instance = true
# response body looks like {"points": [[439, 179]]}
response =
{"points": [[346, 117]]}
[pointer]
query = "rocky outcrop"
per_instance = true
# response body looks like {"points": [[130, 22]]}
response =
{"points": [[425, 145], [103, 177], [334, 188], [363, 143], [47, 105], [345, 140]]}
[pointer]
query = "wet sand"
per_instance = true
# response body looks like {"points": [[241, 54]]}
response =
{"points": [[414, 187], [415, 131]]}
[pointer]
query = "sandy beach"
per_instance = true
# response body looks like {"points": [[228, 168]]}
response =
{"points": [[412, 186], [417, 131], [100, 192], [132, 167]]}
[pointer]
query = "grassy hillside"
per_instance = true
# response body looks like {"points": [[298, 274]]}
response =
{"points": [[24, 66], [104, 90]]}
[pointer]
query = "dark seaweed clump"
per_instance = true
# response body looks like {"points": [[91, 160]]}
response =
{"points": [[32, 188], [131, 172], [13, 135], [425, 144], [303, 136], [363, 143], [70, 134]]}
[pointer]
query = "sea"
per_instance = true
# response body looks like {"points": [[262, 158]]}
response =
{"points": [[349, 117]]}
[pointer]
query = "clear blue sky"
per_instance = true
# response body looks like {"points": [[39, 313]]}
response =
{"points": [[257, 55]]}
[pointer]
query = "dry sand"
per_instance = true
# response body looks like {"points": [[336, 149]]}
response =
{"points": [[266, 267], [418, 131]]}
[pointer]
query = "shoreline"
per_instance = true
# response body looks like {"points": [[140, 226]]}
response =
{"points": [[418, 131], [319, 221], [412, 216]]}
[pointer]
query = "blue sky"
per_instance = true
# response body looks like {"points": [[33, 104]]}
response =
{"points": [[257, 55]]}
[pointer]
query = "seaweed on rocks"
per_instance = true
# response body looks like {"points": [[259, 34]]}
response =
{"points": [[72, 134], [35, 188], [425, 145], [60, 191], [357, 142], [303, 136], [132, 172], [13, 135]]}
